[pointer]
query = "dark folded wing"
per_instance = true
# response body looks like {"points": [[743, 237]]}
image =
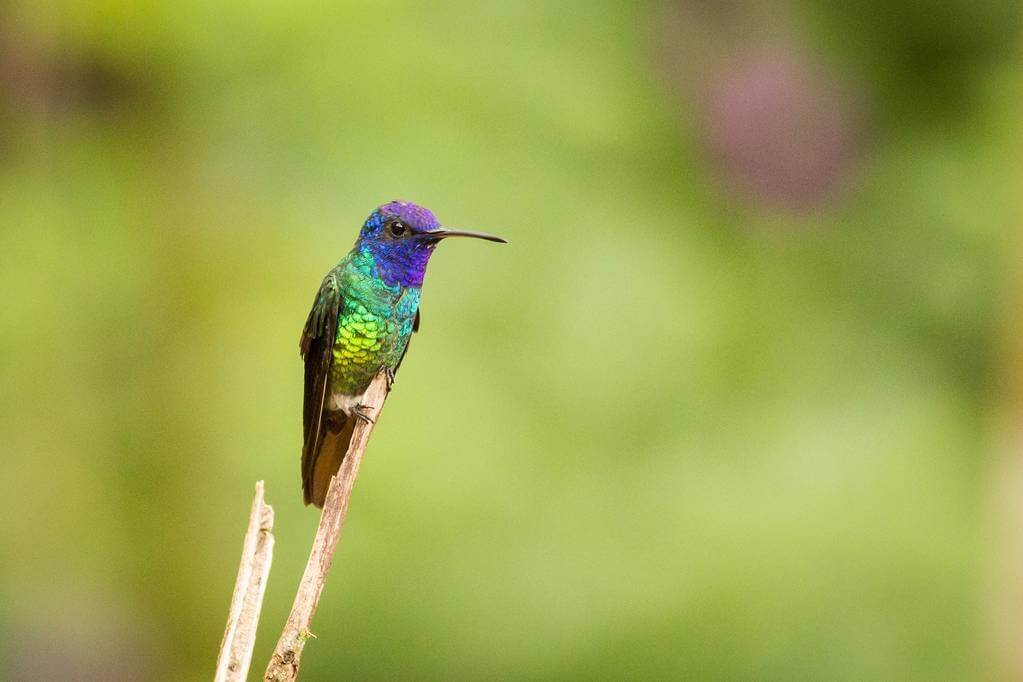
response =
{"points": [[317, 346]]}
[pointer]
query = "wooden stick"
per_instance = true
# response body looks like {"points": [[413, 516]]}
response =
{"points": [[243, 616], [286, 657]]}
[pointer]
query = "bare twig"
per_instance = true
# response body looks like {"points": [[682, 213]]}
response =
{"points": [[286, 657], [243, 616]]}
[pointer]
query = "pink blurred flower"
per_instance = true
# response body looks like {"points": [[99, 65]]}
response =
{"points": [[777, 128]]}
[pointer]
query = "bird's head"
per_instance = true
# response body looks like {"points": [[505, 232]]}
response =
{"points": [[401, 237]]}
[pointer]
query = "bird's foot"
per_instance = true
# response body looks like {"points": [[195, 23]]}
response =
{"points": [[389, 373], [360, 412]]}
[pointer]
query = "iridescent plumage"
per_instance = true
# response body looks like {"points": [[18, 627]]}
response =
{"points": [[374, 324], [362, 318]]}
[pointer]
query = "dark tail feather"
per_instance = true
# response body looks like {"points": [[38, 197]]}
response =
{"points": [[318, 467]]}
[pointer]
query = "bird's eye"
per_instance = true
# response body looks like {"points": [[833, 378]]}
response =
{"points": [[398, 228]]}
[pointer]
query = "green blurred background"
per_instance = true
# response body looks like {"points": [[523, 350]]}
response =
{"points": [[728, 406]]}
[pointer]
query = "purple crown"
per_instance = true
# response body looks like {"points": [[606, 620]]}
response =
{"points": [[418, 218]]}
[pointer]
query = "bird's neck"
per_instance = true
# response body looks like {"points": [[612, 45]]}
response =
{"points": [[403, 267]]}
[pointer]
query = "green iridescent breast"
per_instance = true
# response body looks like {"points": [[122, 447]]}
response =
{"points": [[374, 326]]}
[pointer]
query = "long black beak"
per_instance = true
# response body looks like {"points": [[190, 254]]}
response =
{"points": [[444, 233]]}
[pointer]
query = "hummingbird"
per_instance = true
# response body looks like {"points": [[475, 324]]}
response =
{"points": [[364, 314]]}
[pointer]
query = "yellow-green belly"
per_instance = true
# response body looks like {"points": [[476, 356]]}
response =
{"points": [[368, 339]]}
